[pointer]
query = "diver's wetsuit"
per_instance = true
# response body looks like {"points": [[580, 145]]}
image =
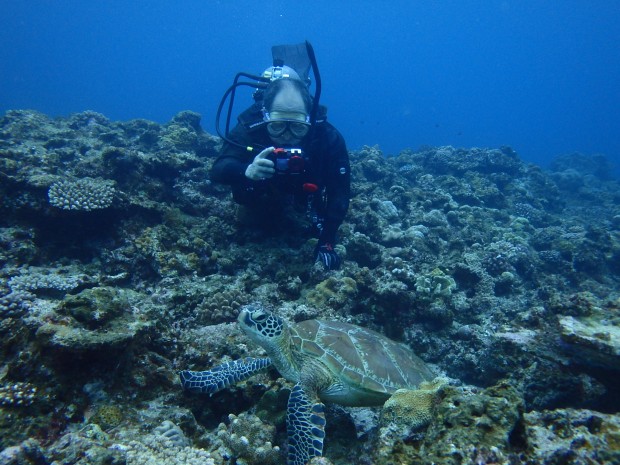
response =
{"points": [[326, 166]]}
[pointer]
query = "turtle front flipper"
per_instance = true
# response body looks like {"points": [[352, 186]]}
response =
{"points": [[305, 424], [222, 376]]}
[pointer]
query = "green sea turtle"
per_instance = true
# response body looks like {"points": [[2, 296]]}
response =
{"points": [[329, 361]]}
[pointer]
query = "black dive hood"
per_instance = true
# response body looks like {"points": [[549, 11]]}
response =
{"points": [[299, 57]]}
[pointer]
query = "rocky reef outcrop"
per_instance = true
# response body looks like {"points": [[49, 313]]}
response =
{"points": [[122, 263]]}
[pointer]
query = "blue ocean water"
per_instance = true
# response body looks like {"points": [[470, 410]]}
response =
{"points": [[540, 76]]}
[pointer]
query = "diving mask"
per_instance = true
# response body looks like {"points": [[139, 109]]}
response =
{"points": [[279, 122]]}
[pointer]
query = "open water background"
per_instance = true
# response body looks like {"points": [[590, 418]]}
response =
{"points": [[540, 76]]}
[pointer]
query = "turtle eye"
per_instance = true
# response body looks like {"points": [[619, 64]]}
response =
{"points": [[259, 317]]}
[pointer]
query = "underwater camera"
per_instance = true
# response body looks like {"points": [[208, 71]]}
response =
{"points": [[288, 161]]}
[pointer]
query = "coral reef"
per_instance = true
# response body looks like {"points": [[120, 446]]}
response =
{"points": [[572, 436], [82, 194], [17, 395], [95, 319], [247, 440], [434, 285], [122, 263], [592, 340], [467, 424], [152, 451], [409, 410], [40, 280]]}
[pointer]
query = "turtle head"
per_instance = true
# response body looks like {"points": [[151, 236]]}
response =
{"points": [[262, 326]]}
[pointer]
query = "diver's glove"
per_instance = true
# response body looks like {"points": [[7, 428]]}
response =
{"points": [[261, 168], [327, 256]]}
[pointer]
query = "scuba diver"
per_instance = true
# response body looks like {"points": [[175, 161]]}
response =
{"points": [[284, 152]]}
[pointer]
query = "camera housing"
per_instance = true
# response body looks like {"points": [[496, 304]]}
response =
{"points": [[289, 161]]}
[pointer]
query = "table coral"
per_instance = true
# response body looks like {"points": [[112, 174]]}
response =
{"points": [[84, 194]]}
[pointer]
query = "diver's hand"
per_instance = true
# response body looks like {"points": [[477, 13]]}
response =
{"points": [[261, 168], [327, 256]]}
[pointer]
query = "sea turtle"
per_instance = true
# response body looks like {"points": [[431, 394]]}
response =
{"points": [[329, 361]]}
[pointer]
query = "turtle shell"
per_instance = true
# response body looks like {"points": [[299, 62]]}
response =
{"points": [[360, 358]]}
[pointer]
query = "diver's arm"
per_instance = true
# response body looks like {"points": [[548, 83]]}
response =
{"points": [[230, 166]]}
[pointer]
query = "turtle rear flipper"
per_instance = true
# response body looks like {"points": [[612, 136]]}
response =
{"points": [[305, 424], [222, 376]]}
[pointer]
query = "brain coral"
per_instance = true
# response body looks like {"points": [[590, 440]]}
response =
{"points": [[82, 194]]}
